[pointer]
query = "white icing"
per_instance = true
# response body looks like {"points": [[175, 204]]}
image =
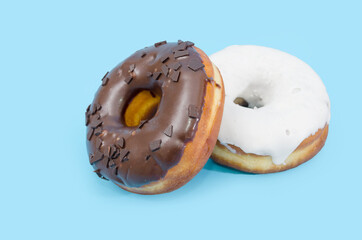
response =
{"points": [[228, 147], [287, 100]]}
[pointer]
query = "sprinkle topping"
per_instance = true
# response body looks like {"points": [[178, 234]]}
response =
{"points": [[168, 131], [195, 64], [160, 43], [128, 79], [194, 112], [155, 145], [175, 76]]}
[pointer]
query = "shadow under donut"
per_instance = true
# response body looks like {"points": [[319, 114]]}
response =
{"points": [[213, 166]]}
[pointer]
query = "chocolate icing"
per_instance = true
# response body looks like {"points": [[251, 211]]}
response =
{"points": [[135, 156]]}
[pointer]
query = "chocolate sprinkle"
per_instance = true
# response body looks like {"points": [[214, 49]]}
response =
{"points": [[116, 171], [99, 143], [190, 44], [97, 157], [111, 150], [105, 76], [175, 66], [120, 142], [175, 76], [99, 107], [181, 46], [168, 131], [123, 153], [128, 79], [164, 70], [105, 79], [194, 111], [132, 67], [96, 123], [98, 172], [160, 43], [95, 108], [181, 53], [90, 134], [86, 118], [98, 131], [164, 59], [155, 145], [195, 64], [88, 108], [149, 74], [111, 163], [116, 153], [156, 75], [143, 54], [148, 157]]}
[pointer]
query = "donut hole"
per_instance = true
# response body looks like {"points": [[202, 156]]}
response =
{"points": [[241, 102], [254, 102], [142, 107], [256, 95]]}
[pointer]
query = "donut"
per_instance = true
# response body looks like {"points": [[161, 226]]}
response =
{"points": [[155, 118], [276, 113]]}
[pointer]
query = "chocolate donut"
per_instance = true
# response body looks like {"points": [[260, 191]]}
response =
{"points": [[138, 154]]}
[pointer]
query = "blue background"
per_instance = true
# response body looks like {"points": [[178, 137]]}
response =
{"points": [[52, 58]]}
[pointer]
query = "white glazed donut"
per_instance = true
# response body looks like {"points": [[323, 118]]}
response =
{"points": [[287, 117]]}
